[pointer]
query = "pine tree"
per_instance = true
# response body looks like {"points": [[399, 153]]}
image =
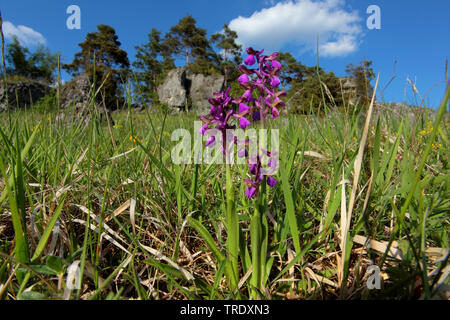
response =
{"points": [[226, 41], [362, 75], [153, 61], [16, 56], [39, 65], [292, 69], [309, 93], [190, 41], [185, 38], [43, 64], [110, 66]]}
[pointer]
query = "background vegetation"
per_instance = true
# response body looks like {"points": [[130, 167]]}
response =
{"points": [[187, 42]]}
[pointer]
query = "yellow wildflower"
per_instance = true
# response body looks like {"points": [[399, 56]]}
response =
{"points": [[135, 139]]}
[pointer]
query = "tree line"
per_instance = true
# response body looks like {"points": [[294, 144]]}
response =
{"points": [[108, 66]]}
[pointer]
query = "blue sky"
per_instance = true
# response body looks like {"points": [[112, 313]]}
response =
{"points": [[413, 33]]}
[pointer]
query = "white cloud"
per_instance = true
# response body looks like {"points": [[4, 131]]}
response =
{"points": [[344, 45], [26, 35], [299, 23]]}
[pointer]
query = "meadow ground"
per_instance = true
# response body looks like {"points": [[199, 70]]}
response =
{"points": [[109, 200]]}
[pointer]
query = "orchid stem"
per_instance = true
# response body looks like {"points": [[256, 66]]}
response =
{"points": [[232, 222]]}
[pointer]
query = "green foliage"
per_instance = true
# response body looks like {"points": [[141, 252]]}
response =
{"points": [[236, 89], [39, 65], [48, 103], [204, 66], [186, 39], [43, 64], [306, 95], [153, 61], [231, 58], [308, 87], [293, 71], [362, 74], [110, 67], [16, 55], [156, 57]]}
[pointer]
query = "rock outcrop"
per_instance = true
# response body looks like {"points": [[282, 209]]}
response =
{"points": [[181, 87], [22, 93], [202, 88], [77, 93], [76, 101], [173, 91]]}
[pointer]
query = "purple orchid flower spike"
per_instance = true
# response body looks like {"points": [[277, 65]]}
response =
{"points": [[256, 115], [264, 80], [210, 141], [260, 99], [271, 182], [203, 129], [273, 56], [243, 107], [244, 123], [250, 192], [276, 64], [275, 81], [253, 52], [221, 112], [250, 60], [243, 79], [242, 153], [275, 113], [248, 95], [257, 171]]}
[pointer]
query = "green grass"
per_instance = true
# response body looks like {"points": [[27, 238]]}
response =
{"points": [[174, 243]]}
